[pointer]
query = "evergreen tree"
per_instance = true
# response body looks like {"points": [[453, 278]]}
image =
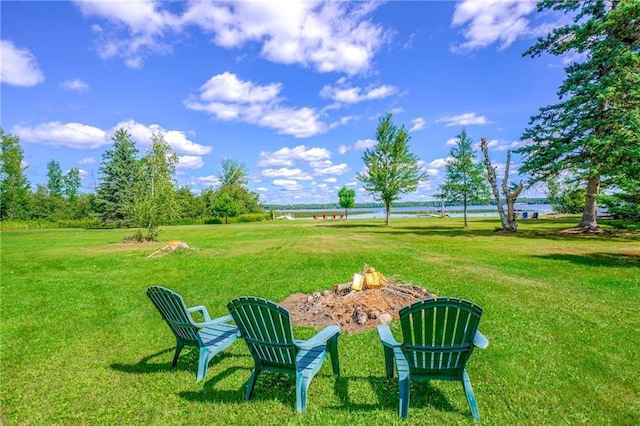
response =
{"points": [[155, 202], [595, 128], [465, 179], [391, 169], [14, 185], [115, 195]]}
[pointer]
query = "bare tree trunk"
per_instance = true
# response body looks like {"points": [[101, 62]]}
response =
{"points": [[508, 220], [589, 213], [464, 203], [387, 207]]}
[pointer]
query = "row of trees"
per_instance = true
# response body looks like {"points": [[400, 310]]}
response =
{"points": [[133, 191]]}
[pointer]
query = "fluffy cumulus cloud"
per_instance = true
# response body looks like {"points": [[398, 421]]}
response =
{"points": [[142, 133], [189, 162], [227, 97], [288, 156], [464, 119], [343, 92], [418, 124], [288, 184], [70, 135], [363, 144], [75, 84], [18, 66], [325, 36], [487, 22], [295, 174]]}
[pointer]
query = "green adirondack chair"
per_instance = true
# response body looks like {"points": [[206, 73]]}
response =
{"points": [[266, 328], [438, 338], [211, 336]]}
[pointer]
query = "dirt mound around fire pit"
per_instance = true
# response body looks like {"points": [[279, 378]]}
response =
{"points": [[354, 311]]}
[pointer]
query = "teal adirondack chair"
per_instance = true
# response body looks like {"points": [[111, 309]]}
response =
{"points": [[438, 338], [211, 336], [266, 328]]}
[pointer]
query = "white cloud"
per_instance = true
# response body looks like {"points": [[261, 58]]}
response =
{"points": [[418, 124], [141, 133], [226, 97], [210, 180], [492, 21], [287, 156], [70, 135], [464, 119], [296, 174], [363, 144], [18, 67], [75, 84], [189, 162], [344, 93], [288, 184], [330, 180], [438, 163], [342, 149], [326, 36], [451, 142], [330, 169], [87, 161]]}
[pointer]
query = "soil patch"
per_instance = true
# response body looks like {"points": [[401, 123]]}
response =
{"points": [[354, 311]]}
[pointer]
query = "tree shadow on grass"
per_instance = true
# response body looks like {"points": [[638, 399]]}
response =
{"points": [[422, 395], [608, 260], [188, 361]]}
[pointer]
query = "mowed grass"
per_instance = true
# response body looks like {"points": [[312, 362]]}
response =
{"points": [[80, 341]]}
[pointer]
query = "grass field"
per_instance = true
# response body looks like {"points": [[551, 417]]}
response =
{"points": [[81, 343]]}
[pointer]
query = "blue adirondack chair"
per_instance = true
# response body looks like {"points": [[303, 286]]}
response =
{"points": [[438, 338], [211, 336], [266, 328]]}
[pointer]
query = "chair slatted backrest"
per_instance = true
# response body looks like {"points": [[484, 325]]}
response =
{"points": [[174, 311], [266, 328], [438, 334]]}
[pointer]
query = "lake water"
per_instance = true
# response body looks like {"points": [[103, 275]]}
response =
{"points": [[412, 212]]}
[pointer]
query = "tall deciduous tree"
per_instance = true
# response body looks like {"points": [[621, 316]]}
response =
{"points": [[465, 179], [54, 179], [156, 201], [14, 185], [119, 169], [595, 128], [233, 182], [391, 168], [347, 199]]}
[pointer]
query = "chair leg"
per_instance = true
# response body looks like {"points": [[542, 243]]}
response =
{"points": [[252, 381], [203, 363], [179, 346], [403, 384], [332, 345], [301, 393], [471, 399], [388, 362]]}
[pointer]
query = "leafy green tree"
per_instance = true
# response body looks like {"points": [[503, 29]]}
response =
{"points": [[155, 201], [71, 184], [233, 182], [347, 199], [55, 179], [566, 195], [595, 128], [115, 194], [14, 185], [465, 179], [225, 206], [391, 169], [190, 205], [624, 200]]}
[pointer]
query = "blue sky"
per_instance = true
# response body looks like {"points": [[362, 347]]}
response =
{"points": [[291, 89]]}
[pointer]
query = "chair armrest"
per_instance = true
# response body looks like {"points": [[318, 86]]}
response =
{"points": [[479, 341], [387, 339], [327, 333], [225, 318], [203, 310]]}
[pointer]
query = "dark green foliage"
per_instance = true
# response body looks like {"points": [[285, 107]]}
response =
{"points": [[566, 195], [465, 178], [347, 197], [391, 169], [14, 186], [55, 179], [624, 202], [119, 168], [233, 181], [225, 206], [595, 128]]}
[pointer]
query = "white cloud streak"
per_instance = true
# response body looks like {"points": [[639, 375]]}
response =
{"points": [[466, 119], [18, 66]]}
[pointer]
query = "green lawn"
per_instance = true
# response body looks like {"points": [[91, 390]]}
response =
{"points": [[80, 341]]}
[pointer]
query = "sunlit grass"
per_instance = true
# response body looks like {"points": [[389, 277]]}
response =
{"points": [[81, 342]]}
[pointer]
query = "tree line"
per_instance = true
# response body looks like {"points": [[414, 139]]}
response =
{"points": [[134, 191]]}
